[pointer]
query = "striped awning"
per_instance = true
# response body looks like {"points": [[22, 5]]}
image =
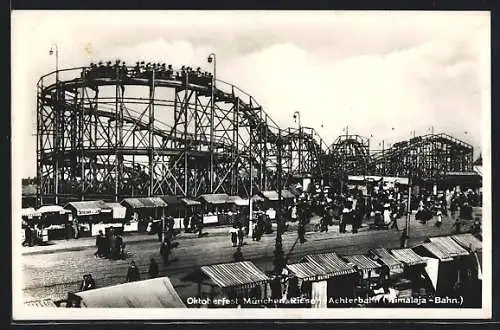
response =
{"points": [[408, 257], [435, 251], [330, 263], [215, 198], [449, 246], [468, 241], [234, 274], [384, 257], [307, 271], [362, 262]]}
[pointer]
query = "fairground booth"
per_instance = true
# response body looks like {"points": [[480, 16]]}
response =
{"points": [[153, 293], [271, 201], [54, 221], [178, 208], [414, 269], [369, 272], [214, 205], [392, 271], [240, 283], [90, 216], [473, 268], [446, 264], [325, 279], [144, 210]]}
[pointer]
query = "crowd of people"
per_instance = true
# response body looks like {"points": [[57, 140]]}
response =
{"points": [[143, 70]]}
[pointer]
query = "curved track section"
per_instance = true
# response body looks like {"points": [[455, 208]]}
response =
{"points": [[114, 131]]}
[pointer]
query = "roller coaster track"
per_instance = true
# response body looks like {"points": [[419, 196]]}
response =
{"points": [[62, 143]]}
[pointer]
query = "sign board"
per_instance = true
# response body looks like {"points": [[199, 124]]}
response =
{"points": [[81, 212]]}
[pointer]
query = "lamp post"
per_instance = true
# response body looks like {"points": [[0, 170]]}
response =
{"points": [[296, 117], [55, 50], [212, 58]]}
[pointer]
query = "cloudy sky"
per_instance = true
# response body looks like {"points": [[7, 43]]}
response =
{"points": [[371, 71]]}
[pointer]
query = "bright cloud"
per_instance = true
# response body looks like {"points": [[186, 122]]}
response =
{"points": [[371, 71]]}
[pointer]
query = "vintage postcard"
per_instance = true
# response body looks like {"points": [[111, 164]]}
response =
{"points": [[173, 165]]}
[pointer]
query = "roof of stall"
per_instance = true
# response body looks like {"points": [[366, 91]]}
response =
{"points": [[235, 274], [449, 246], [215, 198], [468, 241], [272, 195], [153, 293], [408, 257], [435, 251], [362, 262], [171, 200], [144, 202], [330, 263], [51, 209], [190, 202], [383, 256], [91, 207], [29, 212]]}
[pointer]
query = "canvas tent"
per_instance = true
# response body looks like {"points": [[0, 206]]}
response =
{"points": [[153, 293]]}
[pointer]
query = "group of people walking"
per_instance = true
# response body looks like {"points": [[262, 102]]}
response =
{"points": [[110, 245]]}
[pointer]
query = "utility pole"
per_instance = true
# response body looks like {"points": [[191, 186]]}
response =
{"points": [[279, 259]]}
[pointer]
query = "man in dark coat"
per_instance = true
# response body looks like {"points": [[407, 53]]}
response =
{"points": [[165, 249], [238, 255], [99, 242], [153, 268], [133, 273]]}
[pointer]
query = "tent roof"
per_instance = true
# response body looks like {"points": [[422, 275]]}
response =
{"points": [[449, 246], [468, 241], [215, 198], [153, 293], [362, 262], [272, 195], [87, 205], [51, 209], [171, 199], [26, 212], [383, 256], [144, 202], [190, 202], [408, 257], [234, 199], [330, 263], [243, 273], [115, 205]]}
